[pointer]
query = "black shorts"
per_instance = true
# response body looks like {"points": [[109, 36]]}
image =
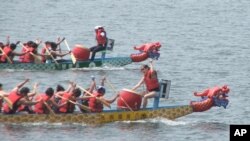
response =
{"points": [[155, 89]]}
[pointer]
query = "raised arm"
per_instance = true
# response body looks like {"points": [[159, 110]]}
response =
{"points": [[21, 84], [34, 91], [92, 85], [151, 65], [103, 80], [60, 41]]}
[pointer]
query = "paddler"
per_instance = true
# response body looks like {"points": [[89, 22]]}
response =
{"points": [[8, 52], [67, 97], [151, 81], [33, 56], [96, 105], [18, 96], [47, 46], [52, 51], [43, 106]]}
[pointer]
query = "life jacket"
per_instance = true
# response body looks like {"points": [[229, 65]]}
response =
{"points": [[94, 104], [7, 52], [69, 107], [14, 97], [151, 83], [39, 107], [28, 57], [100, 39]]}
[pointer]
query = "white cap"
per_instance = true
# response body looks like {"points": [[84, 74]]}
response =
{"points": [[97, 27]]}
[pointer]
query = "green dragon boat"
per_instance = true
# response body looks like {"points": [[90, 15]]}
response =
{"points": [[67, 64]]}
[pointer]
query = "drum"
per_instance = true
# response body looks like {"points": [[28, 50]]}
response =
{"points": [[81, 53], [129, 100]]}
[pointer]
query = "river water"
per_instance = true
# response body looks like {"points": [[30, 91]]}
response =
{"points": [[204, 44]]}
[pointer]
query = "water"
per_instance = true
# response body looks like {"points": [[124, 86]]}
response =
{"points": [[204, 43]]}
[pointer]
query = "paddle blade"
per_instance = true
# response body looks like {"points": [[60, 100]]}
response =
{"points": [[73, 58], [84, 107], [38, 59], [49, 108]]}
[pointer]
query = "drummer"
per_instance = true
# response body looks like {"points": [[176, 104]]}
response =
{"points": [[151, 80]]}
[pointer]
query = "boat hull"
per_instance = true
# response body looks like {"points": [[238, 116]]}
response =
{"points": [[169, 112], [67, 64]]}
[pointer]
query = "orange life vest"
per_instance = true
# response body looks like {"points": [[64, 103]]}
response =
{"points": [[14, 97], [69, 107], [94, 104], [28, 58], [39, 108], [7, 52], [151, 83], [101, 40]]}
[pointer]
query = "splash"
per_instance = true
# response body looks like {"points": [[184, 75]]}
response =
{"points": [[158, 120]]}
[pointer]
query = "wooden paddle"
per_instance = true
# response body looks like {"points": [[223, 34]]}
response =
{"points": [[51, 55], [101, 100], [8, 58], [37, 58], [73, 58], [7, 100], [49, 108], [82, 106], [115, 91]]}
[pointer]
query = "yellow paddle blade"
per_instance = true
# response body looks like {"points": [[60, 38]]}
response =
{"points": [[84, 107], [73, 58], [38, 59]]}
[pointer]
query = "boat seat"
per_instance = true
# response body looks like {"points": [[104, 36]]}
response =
{"points": [[110, 46], [164, 92]]}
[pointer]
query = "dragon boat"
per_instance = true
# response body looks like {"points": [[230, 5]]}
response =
{"points": [[68, 64], [128, 111], [81, 60]]}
